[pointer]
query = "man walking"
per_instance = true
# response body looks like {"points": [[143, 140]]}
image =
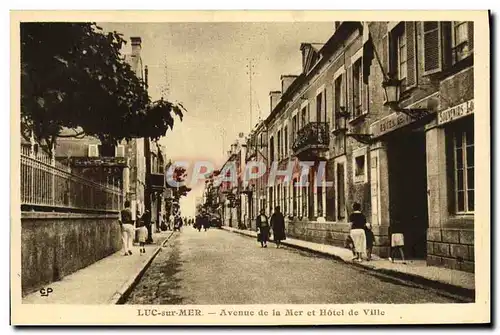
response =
{"points": [[127, 228]]}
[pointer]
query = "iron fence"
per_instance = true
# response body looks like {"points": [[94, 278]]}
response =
{"points": [[45, 184]]}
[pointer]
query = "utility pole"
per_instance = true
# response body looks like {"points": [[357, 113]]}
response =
{"points": [[250, 66], [147, 190]]}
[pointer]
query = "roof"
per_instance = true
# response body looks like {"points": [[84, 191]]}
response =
{"points": [[325, 51]]}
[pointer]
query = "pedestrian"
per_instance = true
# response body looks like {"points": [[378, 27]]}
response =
{"points": [[397, 240], [278, 226], [369, 241], [358, 222], [262, 229], [127, 228], [141, 237], [198, 222], [206, 222]]}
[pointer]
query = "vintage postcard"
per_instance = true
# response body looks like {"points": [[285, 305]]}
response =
{"points": [[250, 167]]}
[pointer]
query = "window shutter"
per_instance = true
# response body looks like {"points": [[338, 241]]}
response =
{"points": [[432, 47], [350, 95], [325, 110], [385, 53], [411, 52], [470, 33], [364, 95], [447, 48]]}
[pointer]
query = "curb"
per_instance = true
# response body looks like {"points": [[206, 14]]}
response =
{"points": [[420, 280], [120, 296]]}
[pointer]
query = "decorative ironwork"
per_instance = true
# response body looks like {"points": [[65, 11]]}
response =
{"points": [[46, 186], [313, 134]]}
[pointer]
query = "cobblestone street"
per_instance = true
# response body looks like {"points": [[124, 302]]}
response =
{"points": [[218, 267]]}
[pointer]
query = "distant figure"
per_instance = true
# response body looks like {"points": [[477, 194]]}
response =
{"points": [[358, 222], [278, 226], [206, 222], [198, 222], [127, 228], [262, 229]]}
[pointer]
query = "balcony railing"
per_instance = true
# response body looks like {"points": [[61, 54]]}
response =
{"points": [[44, 185], [314, 135]]}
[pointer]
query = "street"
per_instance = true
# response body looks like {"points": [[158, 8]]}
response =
{"points": [[219, 267]]}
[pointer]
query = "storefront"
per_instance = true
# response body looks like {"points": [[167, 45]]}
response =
{"points": [[399, 181]]}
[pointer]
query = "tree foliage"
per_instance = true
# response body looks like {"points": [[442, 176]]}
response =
{"points": [[74, 76], [180, 175]]}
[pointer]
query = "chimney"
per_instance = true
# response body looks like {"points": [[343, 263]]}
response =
{"points": [[286, 81], [275, 97], [136, 46]]}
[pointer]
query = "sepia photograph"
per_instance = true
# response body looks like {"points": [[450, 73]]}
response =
{"points": [[250, 168]]}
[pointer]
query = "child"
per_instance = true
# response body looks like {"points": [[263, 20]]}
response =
{"points": [[369, 241], [142, 235], [397, 241]]}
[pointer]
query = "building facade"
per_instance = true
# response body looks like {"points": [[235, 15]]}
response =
{"points": [[384, 114]]}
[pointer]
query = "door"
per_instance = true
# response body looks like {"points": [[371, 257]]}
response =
{"points": [[340, 192], [408, 191]]}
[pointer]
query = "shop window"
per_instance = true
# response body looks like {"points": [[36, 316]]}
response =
{"points": [[360, 170], [463, 148]]}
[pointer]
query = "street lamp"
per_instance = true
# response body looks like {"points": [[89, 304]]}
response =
{"points": [[392, 91]]}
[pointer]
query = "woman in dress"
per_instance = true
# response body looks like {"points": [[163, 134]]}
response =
{"points": [[358, 223], [262, 229], [278, 226]]}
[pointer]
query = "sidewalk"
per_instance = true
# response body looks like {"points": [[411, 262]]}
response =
{"points": [[103, 282], [459, 282]]}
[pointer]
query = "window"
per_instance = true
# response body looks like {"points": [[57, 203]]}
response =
{"points": [[401, 40], [402, 53], [340, 192], [357, 88], [460, 40], [360, 170], [319, 107], [271, 149], [120, 151], [279, 145], [463, 147], [338, 100], [304, 116], [285, 135], [93, 150], [294, 128]]}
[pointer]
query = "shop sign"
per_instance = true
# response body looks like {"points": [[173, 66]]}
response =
{"points": [[389, 123], [456, 112]]}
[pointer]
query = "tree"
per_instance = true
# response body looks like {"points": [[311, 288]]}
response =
{"points": [[179, 176], [74, 76]]}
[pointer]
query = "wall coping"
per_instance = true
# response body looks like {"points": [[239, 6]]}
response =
{"points": [[62, 216]]}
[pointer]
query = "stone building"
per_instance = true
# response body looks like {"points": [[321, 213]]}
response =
{"points": [[383, 111]]}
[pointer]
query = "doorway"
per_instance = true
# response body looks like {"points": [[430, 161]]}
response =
{"points": [[408, 190]]}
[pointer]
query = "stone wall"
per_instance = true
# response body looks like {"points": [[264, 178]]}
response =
{"points": [[451, 248], [54, 245], [332, 233]]}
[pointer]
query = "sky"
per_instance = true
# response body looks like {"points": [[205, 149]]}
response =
{"points": [[204, 66]]}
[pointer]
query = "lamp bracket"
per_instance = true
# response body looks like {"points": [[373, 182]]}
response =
{"points": [[362, 138], [342, 112], [414, 113]]}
